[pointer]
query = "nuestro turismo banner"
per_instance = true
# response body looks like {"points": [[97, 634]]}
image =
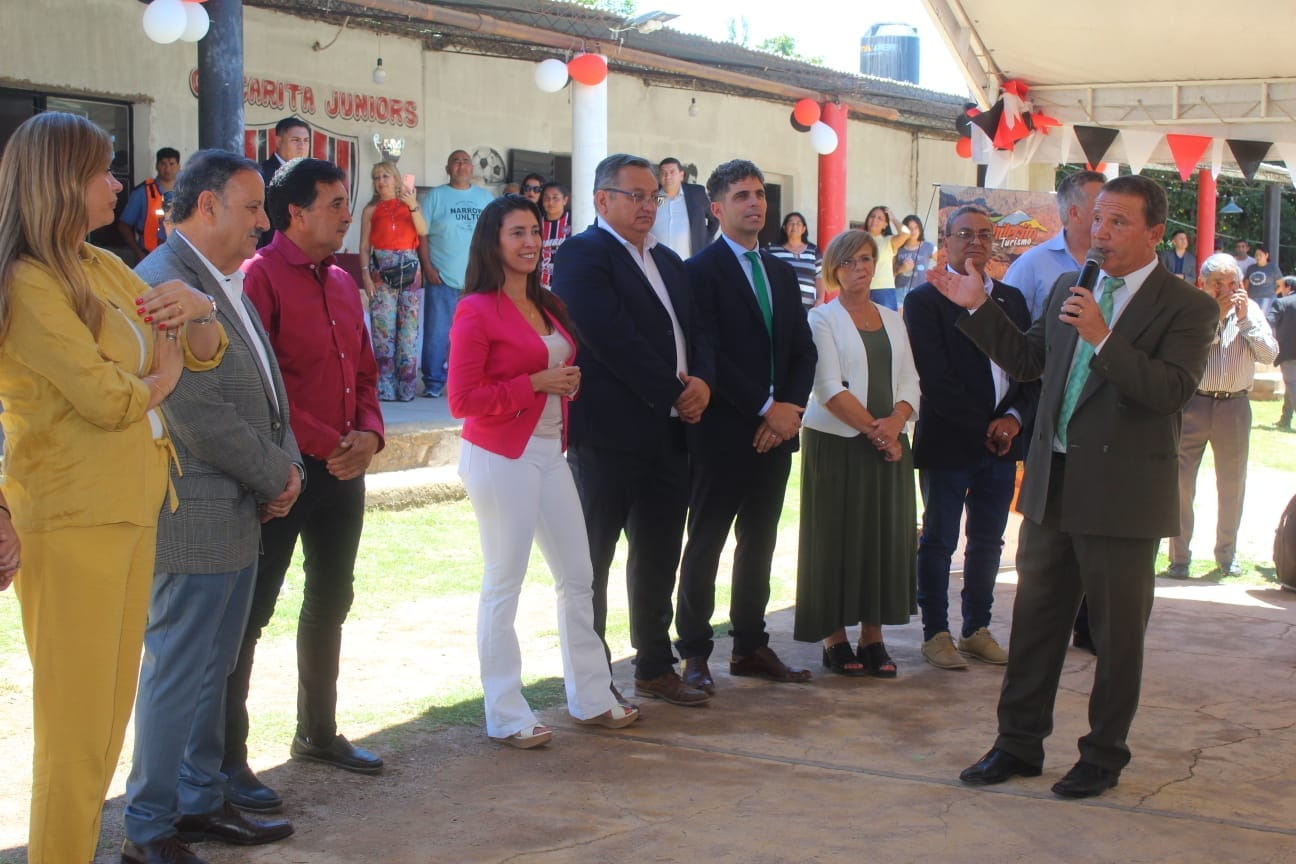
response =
{"points": [[1021, 220]]}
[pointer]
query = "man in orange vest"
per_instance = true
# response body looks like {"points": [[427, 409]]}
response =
{"points": [[142, 224]]}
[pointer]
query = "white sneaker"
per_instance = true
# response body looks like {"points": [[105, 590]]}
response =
{"points": [[939, 652], [983, 647]]}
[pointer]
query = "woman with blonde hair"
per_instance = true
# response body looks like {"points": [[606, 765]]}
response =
{"points": [[87, 353], [859, 539], [390, 228]]}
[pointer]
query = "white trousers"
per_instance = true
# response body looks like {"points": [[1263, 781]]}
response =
{"points": [[517, 500]]}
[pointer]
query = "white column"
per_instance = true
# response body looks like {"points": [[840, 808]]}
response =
{"points": [[589, 147]]}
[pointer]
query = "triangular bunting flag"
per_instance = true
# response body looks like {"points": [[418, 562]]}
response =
{"points": [[1139, 145], [1217, 157], [1287, 149], [982, 146], [1095, 141], [997, 170], [988, 121], [1187, 151], [1067, 136], [1248, 155]]}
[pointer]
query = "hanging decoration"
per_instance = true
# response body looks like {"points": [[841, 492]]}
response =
{"points": [[823, 138], [1248, 155], [197, 22], [1187, 151], [1095, 141], [165, 21], [806, 112], [588, 69], [551, 75], [1138, 147], [800, 127]]}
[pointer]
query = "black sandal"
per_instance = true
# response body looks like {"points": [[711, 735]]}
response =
{"points": [[877, 662], [840, 659]]}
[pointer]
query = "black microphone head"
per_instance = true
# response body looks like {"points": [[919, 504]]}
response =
{"points": [[1095, 255]]}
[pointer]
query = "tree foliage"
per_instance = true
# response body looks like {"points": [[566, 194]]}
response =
{"points": [[624, 8]]}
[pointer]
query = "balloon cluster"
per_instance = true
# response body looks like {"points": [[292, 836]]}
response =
{"points": [[589, 69], [805, 118], [165, 21]]}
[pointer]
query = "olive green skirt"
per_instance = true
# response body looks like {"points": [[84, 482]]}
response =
{"points": [[859, 536]]}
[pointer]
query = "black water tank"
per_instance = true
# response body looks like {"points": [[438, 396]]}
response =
{"points": [[890, 50]]}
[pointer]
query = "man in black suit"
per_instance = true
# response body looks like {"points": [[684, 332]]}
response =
{"points": [[966, 446], [765, 357], [292, 141], [684, 220], [1101, 484], [645, 363]]}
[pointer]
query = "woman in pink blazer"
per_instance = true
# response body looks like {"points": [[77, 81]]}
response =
{"points": [[511, 376]]}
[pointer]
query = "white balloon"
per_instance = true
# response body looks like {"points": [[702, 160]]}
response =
{"points": [[551, 75], [165, 20], [196, 24], [823, 138]]}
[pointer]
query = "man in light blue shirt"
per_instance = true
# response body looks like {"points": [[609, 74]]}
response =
{"points": [[451, 212], [1035, 271]]}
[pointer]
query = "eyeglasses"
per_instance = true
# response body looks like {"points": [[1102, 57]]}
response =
{"points": [[531, 188], [985, 235], [639, 197], [856, 263]]}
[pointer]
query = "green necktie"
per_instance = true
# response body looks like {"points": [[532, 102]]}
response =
{"points": [[763, 301], [1080, 369]]}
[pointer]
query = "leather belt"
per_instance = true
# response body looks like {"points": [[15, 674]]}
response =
{"points": [[1221, 394]]}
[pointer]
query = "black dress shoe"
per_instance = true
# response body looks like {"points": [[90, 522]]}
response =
{"points": [[230, 825], [339, 753], [996, 767], [246, 792], [166, 850], [1085, 780], [697, 674]]}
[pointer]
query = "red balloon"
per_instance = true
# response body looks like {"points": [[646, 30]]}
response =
{"points": [[964, 147], [588, 69], [806, 112]]}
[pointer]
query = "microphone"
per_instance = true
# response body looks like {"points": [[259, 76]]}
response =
{"points": [[1094, 259]]}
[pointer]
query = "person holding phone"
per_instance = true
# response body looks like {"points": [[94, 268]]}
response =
{"points": [[511, 376], [390, 228]]}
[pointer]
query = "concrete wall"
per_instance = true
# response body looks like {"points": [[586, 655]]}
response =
{"points": [[98, 48]]}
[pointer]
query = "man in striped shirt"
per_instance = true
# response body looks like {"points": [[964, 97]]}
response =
{"points": [[1220, 413]]}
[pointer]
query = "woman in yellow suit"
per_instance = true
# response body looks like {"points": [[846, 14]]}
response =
{"points": [[87, 353]]}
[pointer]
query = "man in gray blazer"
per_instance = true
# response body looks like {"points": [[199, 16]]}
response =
{"points": [[1118, 364], [239, 464]]}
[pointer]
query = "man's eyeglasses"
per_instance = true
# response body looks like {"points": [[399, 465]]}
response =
{"points": [[985, 235], [639, 197], [530, 187], [856, 263]]}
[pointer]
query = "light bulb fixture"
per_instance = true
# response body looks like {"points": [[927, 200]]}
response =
{"points": [[649, 22], [693, 109], [1230, 209], [379, 73]]}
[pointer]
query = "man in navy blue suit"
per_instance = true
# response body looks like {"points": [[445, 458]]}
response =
{"points": [[966, 446], [645, 367], [765, 358]]}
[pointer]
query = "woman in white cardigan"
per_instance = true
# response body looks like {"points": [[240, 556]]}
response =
{"points": [[858, 515]]}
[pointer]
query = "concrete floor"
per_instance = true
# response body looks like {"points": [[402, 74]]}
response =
{"points": [[850, 769]]}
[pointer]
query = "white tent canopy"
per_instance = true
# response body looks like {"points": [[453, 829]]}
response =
{"points": [[1156, 67]]}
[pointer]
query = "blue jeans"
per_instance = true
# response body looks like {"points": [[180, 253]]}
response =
{"points": [[439, 303], [985, 490], [195, 624]]}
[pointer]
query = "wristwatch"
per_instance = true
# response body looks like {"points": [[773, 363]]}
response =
{"points": [[210, 316]]}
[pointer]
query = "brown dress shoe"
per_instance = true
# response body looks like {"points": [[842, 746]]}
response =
{"points": [[669, 688], [764, 663], [165, 850], [231, 825], [697, 674]]}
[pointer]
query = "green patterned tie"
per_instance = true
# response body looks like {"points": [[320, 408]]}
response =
{"points": [[1080, 369], [763, 300]]}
